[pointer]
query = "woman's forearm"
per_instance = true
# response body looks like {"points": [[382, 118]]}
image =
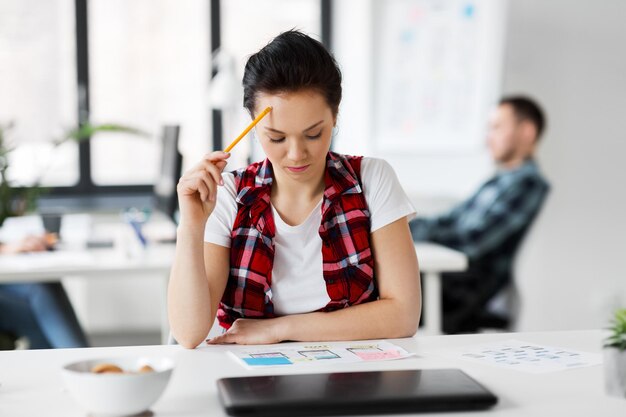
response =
{"points": [[189, 297], [380, 319]]}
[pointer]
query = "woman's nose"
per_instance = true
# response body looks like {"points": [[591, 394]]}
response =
{"points": [[296, 150]]}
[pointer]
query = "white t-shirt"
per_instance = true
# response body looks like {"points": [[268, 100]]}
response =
{"points": [[298, 285]]}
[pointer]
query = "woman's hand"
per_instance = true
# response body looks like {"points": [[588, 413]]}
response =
{"points": [[197, 188], [250, 332]]}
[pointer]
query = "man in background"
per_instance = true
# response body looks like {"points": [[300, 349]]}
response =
{"points": [[489, 226]]}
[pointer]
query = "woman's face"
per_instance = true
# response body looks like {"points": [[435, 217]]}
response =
{"points": [[296, 134]]}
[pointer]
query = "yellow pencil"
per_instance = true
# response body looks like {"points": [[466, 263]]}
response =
{"points": [[247, 129]]}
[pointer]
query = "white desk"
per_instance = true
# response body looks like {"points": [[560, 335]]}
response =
{"points": [[126, 258], [155, 261], [99, 263], [31, 384], [433, 260]]}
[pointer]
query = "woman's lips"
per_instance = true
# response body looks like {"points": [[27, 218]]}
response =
{"points": [[298, 169]]}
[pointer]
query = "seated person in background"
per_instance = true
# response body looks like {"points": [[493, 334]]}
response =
{"points": [[41, 312], [308, 244], [489, 226]]}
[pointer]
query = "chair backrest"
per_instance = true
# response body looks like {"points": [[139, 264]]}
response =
{"points": [[170, 171], [506, 301], [514, 242]]}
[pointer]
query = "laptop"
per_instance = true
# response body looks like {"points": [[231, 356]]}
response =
{"points": [[349, 393]]}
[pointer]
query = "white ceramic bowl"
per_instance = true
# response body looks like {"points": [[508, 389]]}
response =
{"points": [[118, 394]]}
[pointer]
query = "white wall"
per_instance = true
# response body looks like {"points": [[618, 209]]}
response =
{"points": [[572, 269], [423, 175]]}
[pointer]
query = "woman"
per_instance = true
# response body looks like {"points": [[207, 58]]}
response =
{"points": [[279, 249]]}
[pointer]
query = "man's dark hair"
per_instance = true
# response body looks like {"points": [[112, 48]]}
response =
{"points": [[525, 108], [292, 61]]}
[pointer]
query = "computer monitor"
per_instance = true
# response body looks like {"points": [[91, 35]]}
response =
{"points": [[170, 171]]}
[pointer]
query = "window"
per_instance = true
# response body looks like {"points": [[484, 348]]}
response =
{"points": [[142, 63], [246, 27], [149, 66], [38, 88]]}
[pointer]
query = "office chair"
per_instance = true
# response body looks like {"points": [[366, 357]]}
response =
{"points": [[467, 294]]}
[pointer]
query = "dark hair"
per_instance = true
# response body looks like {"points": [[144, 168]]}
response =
{"points": [[292, 61], [525, 108]]}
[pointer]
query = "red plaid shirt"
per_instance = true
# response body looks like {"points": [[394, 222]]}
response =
{"points": [[348, 265]]}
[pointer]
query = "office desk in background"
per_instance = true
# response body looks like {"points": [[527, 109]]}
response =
{"points": [[434, 260], [125, 258], [31, 384], [154, 261]]}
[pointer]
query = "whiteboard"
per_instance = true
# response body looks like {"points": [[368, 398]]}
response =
{"points": [[437, 72]]}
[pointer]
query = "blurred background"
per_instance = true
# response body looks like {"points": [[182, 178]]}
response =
{"points": [[420, 80]]}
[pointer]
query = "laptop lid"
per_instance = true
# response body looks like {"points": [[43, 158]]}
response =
{"points": [[346, 393]]}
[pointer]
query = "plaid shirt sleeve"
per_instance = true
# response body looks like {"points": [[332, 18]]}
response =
{"points": [[479, 225]]}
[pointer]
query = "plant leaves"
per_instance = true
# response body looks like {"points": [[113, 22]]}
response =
{"points": [[14, 201], [618, 329], [88, 130]]}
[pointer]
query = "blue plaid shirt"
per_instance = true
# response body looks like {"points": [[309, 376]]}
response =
{"points": [[489, 226]]}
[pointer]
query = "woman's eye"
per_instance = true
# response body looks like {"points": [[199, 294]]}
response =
{"points": [[316, 136], [276, 140]]}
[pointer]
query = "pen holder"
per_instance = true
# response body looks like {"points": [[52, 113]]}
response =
{"points": [[136, 218], [615, 371], [615, 355]]}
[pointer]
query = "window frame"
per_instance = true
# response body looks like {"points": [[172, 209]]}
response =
{"points": [[85, 188]]}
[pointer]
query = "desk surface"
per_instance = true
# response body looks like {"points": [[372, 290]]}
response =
{"points": [[30, 381], [156, 259], [73, 259], [50, 266], [44, 266], [437, 258]]}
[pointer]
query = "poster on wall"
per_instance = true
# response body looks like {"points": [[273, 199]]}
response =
{"points": [[437, 71]]}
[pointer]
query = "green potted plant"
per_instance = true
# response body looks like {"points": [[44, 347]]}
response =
{"points": [[15, 201], [615, 356]]}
